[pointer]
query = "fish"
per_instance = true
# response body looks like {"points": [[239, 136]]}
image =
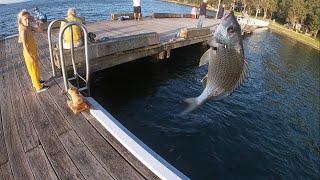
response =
{"points": [[227, 67]]}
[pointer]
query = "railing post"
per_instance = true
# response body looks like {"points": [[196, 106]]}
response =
{"points": [[64, 73], [50, 44]]}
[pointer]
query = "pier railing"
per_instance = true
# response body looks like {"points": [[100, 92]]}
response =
{"points": [[50, 27]]}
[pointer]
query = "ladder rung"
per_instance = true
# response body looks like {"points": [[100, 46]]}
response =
{"points": [[73, 78], [84, 88], [82, 78]]}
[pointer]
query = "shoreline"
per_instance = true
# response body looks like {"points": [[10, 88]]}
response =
{"points": [[278, 28], [210, 8]]}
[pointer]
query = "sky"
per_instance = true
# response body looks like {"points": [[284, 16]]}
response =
{"points": [[11, 1]]}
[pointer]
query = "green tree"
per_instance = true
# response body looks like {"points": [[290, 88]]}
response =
{"points": [[296, 11], [268, 5], [313, 17]]}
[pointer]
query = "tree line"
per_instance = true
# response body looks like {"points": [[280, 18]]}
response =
{"points": [[292, 12]]}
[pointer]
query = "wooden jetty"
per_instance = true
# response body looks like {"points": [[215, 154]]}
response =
{"points": [[40, 138], [131, 40]]}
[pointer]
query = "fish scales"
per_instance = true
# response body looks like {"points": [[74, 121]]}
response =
{"points": [[227, 66]]}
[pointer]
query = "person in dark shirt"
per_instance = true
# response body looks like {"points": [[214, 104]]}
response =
{"points": [[221, 10], [41, 17], [202, 13]]}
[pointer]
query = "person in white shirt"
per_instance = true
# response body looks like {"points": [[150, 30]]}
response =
{"points": [[194, 13], [136, 9]]}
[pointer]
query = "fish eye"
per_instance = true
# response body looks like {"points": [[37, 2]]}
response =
{"points": [[230, 29]]}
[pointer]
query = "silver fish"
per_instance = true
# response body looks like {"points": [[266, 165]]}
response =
{"points": [[227, 66]]}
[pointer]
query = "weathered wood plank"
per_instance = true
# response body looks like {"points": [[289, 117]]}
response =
{"points": [[37, 160], [79, 153], [112, 46], [17, 158], [194, 32], [5, 171], [85, 161], [100, 148], [40, 165], [123, 151], [28, 136], [3, 149], [57, 155]]}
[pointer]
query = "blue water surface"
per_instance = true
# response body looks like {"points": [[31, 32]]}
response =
{"points": [[267, 129], [93, 10]]}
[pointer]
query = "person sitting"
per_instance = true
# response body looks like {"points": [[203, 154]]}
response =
{"points": [[194, 13], [41, 17], [76, 30]]}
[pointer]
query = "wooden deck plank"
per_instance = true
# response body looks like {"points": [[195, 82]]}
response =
{"points": [[123, 151], [5, 171], [25, 127], [37, 160], [85, 161], [101, 149], [54, 150], [39, 136], [17, 158], [3, 149], [77, 151], [40, 165]]}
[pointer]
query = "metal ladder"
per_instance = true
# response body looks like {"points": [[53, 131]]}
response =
{"points": [[50, 43], [76, 75]]}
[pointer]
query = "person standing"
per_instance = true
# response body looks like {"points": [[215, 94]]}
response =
{"points": [[30, 51], [194, 13], [202, 13], [221, 11], [136, 9]]}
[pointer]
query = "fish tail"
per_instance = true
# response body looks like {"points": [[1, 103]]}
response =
{"points": [[192, 105]]}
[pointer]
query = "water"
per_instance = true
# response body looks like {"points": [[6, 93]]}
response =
{"points": [[93, 10], [267, 129]]}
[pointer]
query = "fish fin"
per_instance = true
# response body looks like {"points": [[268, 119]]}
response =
{"points": [[204, 81], [192, 105], [206, 57]]}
